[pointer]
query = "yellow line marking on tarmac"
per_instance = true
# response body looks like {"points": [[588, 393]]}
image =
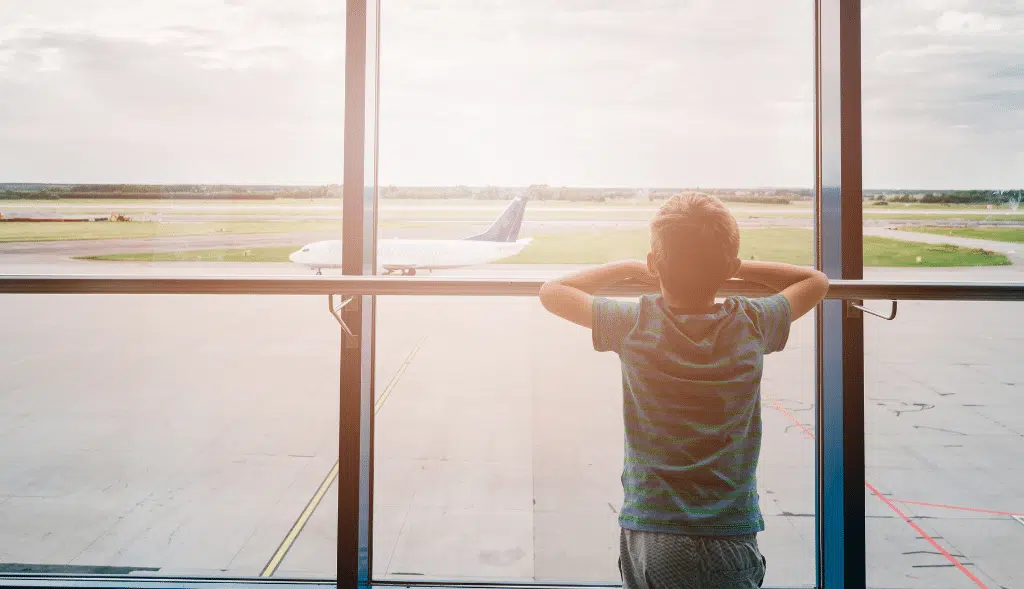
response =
{"points": [[398, 375], [314, 501], [300, 523]]}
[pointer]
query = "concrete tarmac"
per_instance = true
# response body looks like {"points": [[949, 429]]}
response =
{"points": [[187, 435]]}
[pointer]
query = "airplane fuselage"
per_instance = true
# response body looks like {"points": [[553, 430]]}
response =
{"points": [[501, 240], [411, 254]]}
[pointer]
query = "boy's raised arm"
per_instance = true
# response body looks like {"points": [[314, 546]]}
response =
{"points": [[571, 297], [803, 287]]}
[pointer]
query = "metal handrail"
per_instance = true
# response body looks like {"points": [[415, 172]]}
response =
{"points": [[429, 286]]}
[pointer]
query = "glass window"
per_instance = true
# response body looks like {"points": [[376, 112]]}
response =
{"points": [[168, 435], [499, 447], [498, 440], [595, 113], [943, 140], [943, 445], [190, 137], [198, 436]]}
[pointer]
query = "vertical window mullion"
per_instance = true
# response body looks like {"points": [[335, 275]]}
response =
{"points": [[358, 258], [840, 336]]}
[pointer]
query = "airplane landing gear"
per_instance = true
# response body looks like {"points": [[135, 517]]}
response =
{"points": [[318, 272]]}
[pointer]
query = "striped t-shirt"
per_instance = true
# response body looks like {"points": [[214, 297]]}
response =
{"points": [[691, 409]]}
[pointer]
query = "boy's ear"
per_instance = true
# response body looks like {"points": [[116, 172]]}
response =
{"points": [[652, 264], [734, 267]]}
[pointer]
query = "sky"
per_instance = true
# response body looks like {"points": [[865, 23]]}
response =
{"points": [[642, 93]]}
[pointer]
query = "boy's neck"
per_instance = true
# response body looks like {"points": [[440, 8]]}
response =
{"points": [[687, 305]]}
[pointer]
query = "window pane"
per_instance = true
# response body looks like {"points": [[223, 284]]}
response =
{"points": [[943, 139], [499, 447], [168, 435], [170, 136], [945, 445], [596, 113], [943, 148]]}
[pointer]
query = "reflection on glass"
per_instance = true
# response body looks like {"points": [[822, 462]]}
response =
{"points": [[168, 435], [499, 447], [945, 444], [195, 137]]}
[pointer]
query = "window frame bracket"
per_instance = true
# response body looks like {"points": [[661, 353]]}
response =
{"points": [[351, 339], [853, 306]]}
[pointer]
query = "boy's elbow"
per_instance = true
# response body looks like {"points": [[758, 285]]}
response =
{"points": [[548, 294], [821, 282]]}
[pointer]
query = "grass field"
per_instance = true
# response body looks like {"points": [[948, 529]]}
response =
{"points": [[1010, 234], [793, 246]]}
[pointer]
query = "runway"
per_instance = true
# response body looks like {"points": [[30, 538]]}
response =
{"points": [[189, 434]]}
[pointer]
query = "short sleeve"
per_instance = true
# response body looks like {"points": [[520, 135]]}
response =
{"points": [[612, 322], [771, 315]]}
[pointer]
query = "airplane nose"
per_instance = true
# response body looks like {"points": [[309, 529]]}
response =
{"points": [[294, 257]]}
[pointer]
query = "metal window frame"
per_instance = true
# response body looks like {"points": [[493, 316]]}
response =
{"points": [[840, 537], [839, 253], [355, 425], [112, 284], [357, 319], [42, 581]]}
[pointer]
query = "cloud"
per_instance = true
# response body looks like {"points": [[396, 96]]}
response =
{"points": [[942, 93], [967, 23], [650, 92], [135, 111], [647, 93]]}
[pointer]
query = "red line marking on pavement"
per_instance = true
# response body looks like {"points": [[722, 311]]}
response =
{"points": [[959, 507], [793, 419], [897, 510], [927, 538]]}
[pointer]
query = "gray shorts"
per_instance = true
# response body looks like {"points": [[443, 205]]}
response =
{"points": [[654, 560]]}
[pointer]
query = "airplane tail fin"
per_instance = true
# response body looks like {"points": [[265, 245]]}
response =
{"points": [[507, 226]]}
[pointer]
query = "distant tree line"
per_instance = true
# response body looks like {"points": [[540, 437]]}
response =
{"points": [[580, 194], [534, 191], [952, 197], [169, 191], [13, 191]]}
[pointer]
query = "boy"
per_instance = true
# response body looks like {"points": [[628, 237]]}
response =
{"points": [[691, 372]]}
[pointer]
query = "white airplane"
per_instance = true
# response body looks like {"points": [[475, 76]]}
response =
{"points": [[406, 256]]}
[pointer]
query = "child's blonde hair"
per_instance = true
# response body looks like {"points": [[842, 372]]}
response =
{"points": [[694, 242]]}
